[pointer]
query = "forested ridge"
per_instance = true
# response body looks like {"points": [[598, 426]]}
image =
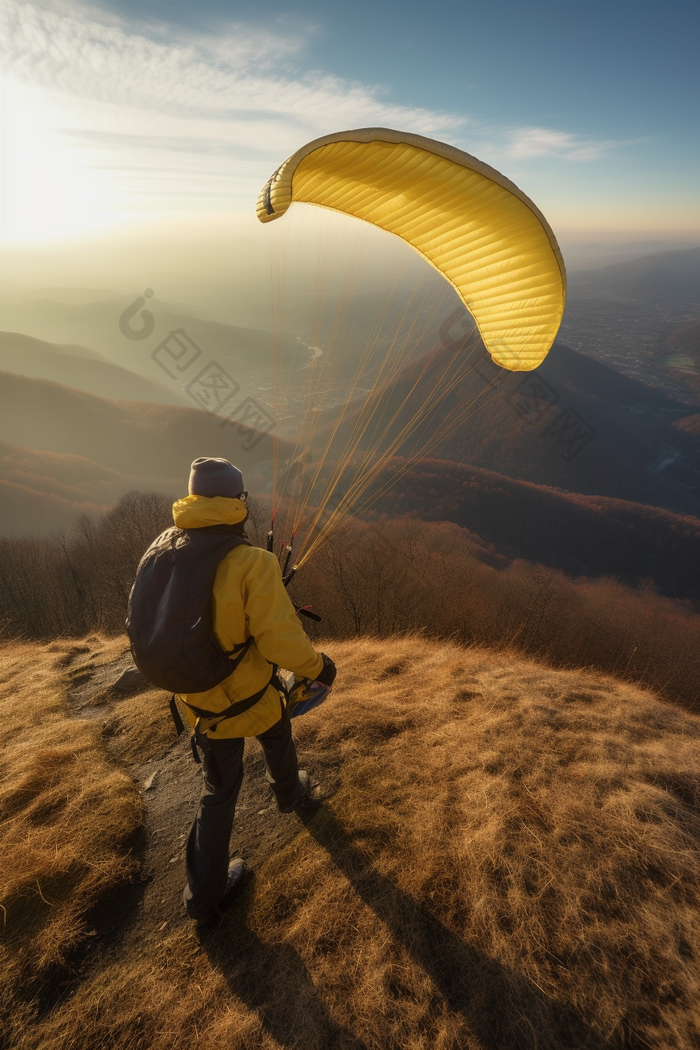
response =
{"points": [[379, 578]]}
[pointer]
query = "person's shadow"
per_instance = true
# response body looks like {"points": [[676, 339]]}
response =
{"points": [[272, 979], [502, 1008]]}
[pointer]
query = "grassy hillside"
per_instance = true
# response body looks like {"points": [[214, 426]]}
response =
{"points": [[391, 576], [505, 858]]}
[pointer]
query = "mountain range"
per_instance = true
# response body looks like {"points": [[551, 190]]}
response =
{"points": [[81, 452], [245, 353], [672, 276], [574, 423], [81, 368], [582, 535], [621, 496]]}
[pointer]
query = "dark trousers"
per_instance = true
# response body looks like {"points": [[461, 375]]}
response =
{"points": [[208, 844]]}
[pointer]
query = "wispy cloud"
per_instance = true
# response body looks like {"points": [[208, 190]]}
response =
{"points": [[527, 143], [132, 120], [142, 121], [241, 89]]}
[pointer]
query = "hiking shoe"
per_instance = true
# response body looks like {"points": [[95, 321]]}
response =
{"points": [[234, 882], [304, 798], [235, 879]]}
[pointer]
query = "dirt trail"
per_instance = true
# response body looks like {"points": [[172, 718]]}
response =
{"points": [[170, 784]]}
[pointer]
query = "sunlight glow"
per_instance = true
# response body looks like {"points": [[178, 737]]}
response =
{"points": [[47, 187]]}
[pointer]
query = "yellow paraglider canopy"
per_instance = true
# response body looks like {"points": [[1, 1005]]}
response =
{"points": [[482, 233]]}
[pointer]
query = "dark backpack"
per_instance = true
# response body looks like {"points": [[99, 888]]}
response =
{"points": [[170, 612]]}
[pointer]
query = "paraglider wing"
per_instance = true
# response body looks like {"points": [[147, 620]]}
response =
{"points": [[470, 222]]}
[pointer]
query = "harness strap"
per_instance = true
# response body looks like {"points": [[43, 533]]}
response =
{"points": [[200, 739], [199, 736], [235, 709]]}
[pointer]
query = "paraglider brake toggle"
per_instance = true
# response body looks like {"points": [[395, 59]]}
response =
{"points": [[287, 547], [307, 610], [287, 577]]}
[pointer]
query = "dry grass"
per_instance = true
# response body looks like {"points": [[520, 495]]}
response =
{"points": [[67, 816], [510, 861]]}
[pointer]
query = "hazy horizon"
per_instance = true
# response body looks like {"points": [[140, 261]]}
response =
{"points": [[223, 265]]}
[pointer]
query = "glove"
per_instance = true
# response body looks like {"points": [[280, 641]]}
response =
{"points": [[328, 672]]}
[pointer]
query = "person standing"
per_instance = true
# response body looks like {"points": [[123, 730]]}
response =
{"points": [[252, 612]]}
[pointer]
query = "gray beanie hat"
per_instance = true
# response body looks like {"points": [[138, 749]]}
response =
{"points": [[215, 477]]}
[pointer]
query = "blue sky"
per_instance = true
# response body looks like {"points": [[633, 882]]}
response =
{"points": [[118, 112], [601, 68]]}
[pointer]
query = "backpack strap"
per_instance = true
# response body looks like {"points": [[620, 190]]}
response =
{"points": [[235, 709], [177, 717], [236, 654], [200, 739]]}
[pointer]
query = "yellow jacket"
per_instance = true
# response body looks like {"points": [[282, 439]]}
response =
{"points": [[249, 599]]}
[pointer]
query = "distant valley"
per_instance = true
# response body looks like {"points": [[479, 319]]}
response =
{"points": [[245, 353], [587, 536], [591, 463], [625, 314]]}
